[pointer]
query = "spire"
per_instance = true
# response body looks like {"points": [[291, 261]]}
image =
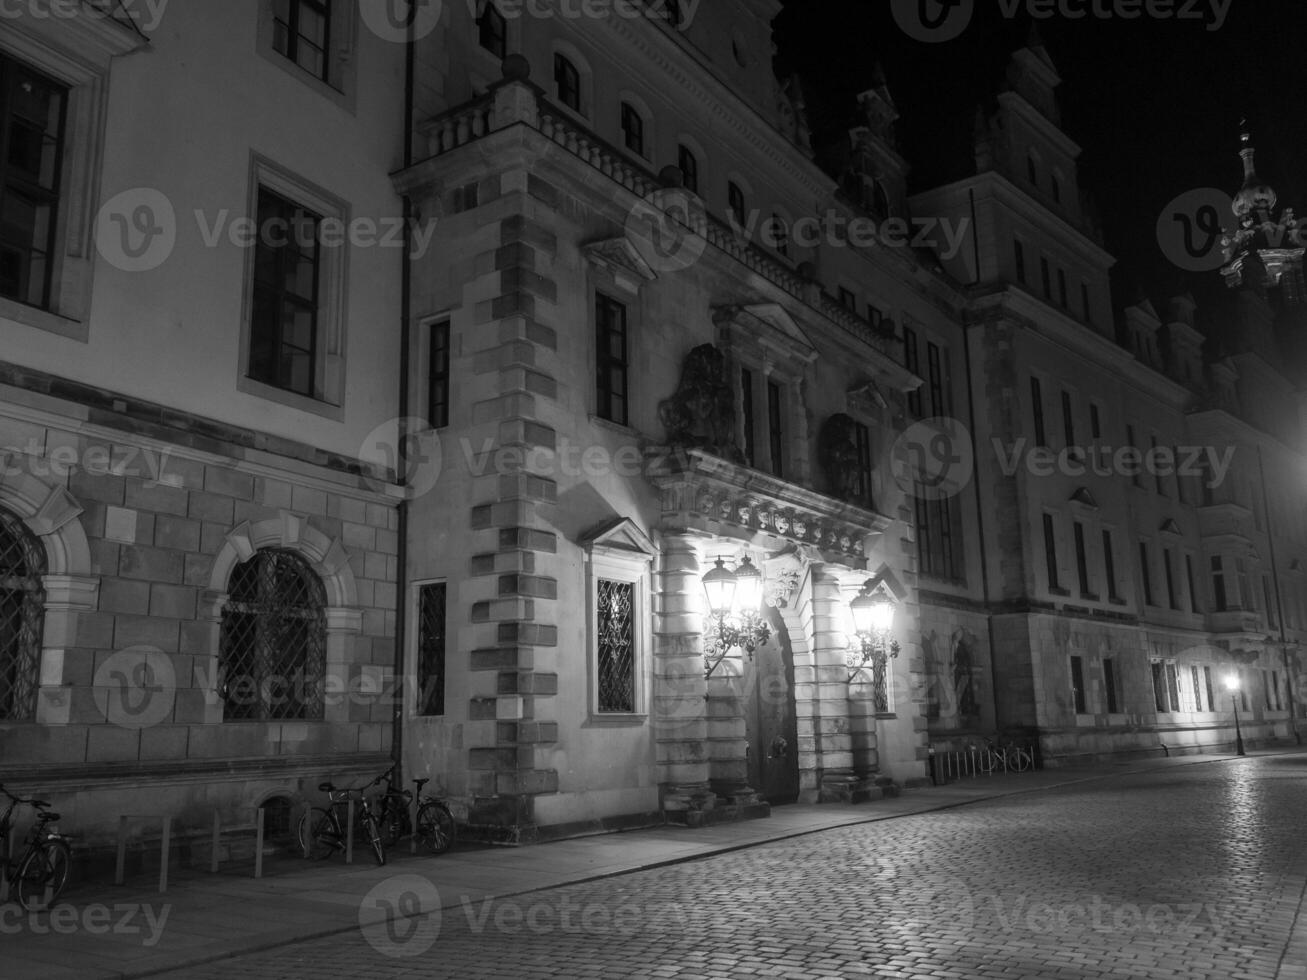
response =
{"points": [[1255, 195]]}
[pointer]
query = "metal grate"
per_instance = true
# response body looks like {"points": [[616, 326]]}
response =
{"points": [[616, 646], [431, 650], [880, 684], [22, 604], [273, 647]]}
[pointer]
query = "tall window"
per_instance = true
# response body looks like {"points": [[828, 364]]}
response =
{"points": [[780, 235], [492, 31], [1218, 584], [1207, 686], [689, 164], [746, 396], [1160, 699], [611, 363], [1061, 288], [1167, 561], [862, 439], [1019, 254], [302, 32], [1196, 681], [615, 646], [1158, 478], [32, 110], [632, 128], [1068, 421], [567, 83], [1082, 562], [1144, 575], [1270, 602], [939, 536], [735, 202], [1095, 424], [1138, 475], [775, 431], [941, 400], [1037, 407], [438, 376], [1032, 171], [1109, 565], [912, 362], [1193, 588], [273, 640], [22, 562], [1084, 302], [1050, 552], [1078, 684], [1046, 277], [1109, 685], [287, 271], [431, 649]]}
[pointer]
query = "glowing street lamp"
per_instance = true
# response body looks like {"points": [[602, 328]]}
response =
{"points": [[1232, 684], [873, 619], [734, 612]]}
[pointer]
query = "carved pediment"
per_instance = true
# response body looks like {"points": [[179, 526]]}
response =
{"points": [[621, 259], [1084, 498], [766, 325], [1169, 526], [621, 536]]}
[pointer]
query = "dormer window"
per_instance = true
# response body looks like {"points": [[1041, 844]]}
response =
{"points": [[567, 83]]}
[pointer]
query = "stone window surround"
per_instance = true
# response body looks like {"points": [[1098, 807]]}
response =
{"points": [[341, 84], [52, 515], [329, 561], [620, 554], [76, 52], [332, 295]]}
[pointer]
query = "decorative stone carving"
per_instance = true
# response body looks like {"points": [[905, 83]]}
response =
{"points": [[781, 586], [701, 415]]}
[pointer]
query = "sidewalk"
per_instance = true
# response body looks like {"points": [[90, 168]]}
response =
{"points": [[132, 931]]}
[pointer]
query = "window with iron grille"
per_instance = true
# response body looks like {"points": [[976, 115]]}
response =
{"points": [[273, 642], [302, 32], [492, 31], [615, 646], [567, 81], [431, 649], [22, 600], [611, 364], [287, 269], [32, 114]]}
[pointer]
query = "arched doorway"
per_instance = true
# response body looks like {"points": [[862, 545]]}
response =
{"points": [[770, 720]]}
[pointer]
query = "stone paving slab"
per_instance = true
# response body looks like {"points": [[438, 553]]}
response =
{"points": [[211, 917]]}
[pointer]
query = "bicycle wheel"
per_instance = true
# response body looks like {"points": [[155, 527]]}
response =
{"points": [[373, 832], [1019, 759], [43, 874], [316, 834], [988, 759], [394, 822], [436, 830]]}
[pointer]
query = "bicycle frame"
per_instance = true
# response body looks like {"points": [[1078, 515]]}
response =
{"points": [[41, 833]]}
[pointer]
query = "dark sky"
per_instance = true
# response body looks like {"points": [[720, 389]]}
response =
{"points": [[1155, 104]]}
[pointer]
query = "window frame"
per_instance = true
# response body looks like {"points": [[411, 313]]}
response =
{"points": [[29, 639], [420, 590], [608, 563], [691, 177], [634, 128], [439, 381], [329, 369], [488, 18], [604, 361], [340, 58], [563, 63]]}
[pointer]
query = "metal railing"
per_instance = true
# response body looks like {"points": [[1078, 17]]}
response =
{"points": [[981, 757]]}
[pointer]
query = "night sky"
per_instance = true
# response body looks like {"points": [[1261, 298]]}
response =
{"points": [[1155, 105]]}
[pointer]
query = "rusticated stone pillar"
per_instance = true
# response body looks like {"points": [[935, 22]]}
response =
{"points": [[834, 740], [728, 744], [680, 716]]}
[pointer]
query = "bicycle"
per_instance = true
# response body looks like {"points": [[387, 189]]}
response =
{"points": [[322, 832], [41, 873], [436, 830], [1005, 754]]}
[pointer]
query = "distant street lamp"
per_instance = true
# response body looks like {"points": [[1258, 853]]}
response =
{"points": [[1232, 683]]}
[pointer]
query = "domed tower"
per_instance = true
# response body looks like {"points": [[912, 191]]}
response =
{"points": [[1265, 251]]}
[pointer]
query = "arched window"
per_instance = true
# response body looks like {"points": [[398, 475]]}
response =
{"points": [[22, 562], [735, 202], [632, 128], [272, 652], [568, 82], [689, 164]]}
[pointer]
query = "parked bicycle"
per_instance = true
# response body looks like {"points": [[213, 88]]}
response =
{"points": [[1005, 755], [41, 871], [436, 830], [323, 832]]}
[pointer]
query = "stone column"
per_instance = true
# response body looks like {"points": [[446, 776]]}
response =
{"points": [[728, 745], [680, 718], [834, 740]]}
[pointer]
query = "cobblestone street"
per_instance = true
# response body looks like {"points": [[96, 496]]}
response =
{"points": [[1197, 872]]}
